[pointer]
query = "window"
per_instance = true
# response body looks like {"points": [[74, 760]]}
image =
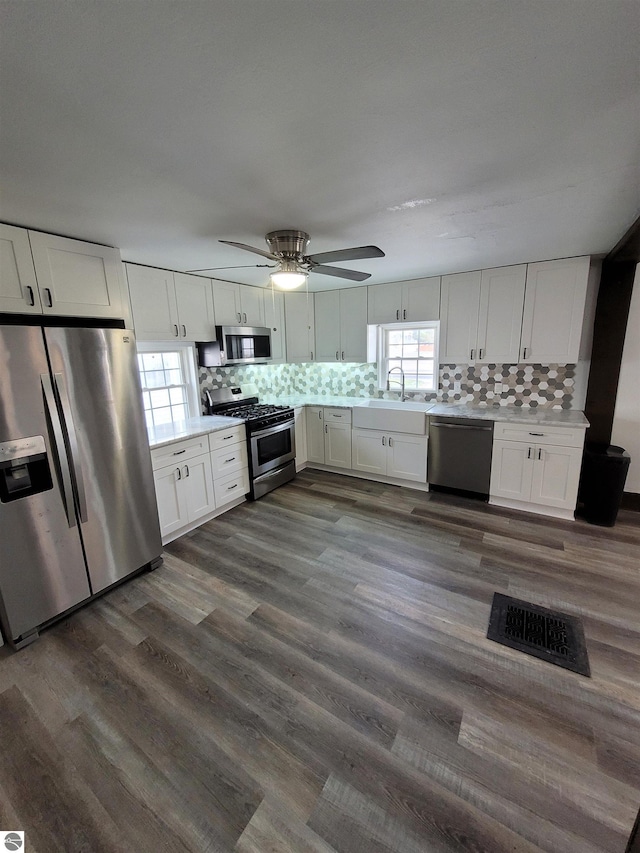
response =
{"points": [[167, 379], [413, 349]]}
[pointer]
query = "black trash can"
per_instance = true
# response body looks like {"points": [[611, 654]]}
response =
{"points": [[604, 471]]}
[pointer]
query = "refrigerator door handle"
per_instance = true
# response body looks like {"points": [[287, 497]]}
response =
{"points": [[70, 430], [63, 462]]}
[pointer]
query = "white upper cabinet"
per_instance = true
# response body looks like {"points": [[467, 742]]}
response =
{"points": [[18, 287], [194, 299], [77, 279], [481, 315], [167, 306], [341, 325], [500, 317], [554, 308], [274, 321], [299, 324], [402, 301], [153, 303], [238, 304], [459, 308]]}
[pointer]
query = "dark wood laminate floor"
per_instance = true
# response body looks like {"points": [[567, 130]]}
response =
{"points": [[310, 673]]}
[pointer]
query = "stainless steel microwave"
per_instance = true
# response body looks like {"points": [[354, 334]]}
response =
{"points": [[244, 344]]}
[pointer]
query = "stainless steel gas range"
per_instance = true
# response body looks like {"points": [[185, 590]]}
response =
{"points": [[270, 437]]}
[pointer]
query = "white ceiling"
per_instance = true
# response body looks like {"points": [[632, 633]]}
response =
{"points": [[454, 134]]}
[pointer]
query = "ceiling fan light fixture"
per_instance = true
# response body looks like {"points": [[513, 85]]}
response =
{"points": [[289, 276]]}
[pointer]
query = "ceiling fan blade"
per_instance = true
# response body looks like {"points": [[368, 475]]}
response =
{"points": [[353, 275], [358, 253], [253, 249], [242, 267]]}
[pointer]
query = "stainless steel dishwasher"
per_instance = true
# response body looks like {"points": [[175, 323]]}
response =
{"points": [[460, 454]]}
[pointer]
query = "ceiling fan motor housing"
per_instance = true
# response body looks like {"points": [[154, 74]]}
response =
{"points": [[289, 244]]}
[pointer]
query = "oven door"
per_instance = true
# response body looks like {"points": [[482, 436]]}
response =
{"points": [[272, 447]]}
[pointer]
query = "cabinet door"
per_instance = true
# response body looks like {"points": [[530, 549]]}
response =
{"points": [[194, 298], [337, 445], [172, 499], [385, 303], [459, 306], [274, 321], [327, 323], [198, 484], [421, 299], [301, 436], [18, 286], [556, 472], [77, 279], [226, 303], [300, 321], [512, 470], [554, 303], [315, 433], [252, 305], [407, 456], [153, 303], [369, 451], [353, 324], [500, 319]]}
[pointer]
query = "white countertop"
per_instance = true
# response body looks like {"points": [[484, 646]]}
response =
{"points": [[168, 433]]}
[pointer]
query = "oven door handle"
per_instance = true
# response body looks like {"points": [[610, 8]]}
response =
{"points": [[271, 430]]}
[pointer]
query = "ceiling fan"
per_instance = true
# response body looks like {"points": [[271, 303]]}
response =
{"points": [[287, 248]]}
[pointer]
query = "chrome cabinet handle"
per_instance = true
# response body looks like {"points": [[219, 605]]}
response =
{"points": [[49, 298], [71, 440], [175, 330], [32, 300], [60, 449], [384, 441], [398, 314], [184, 331], [179, 473], [186, 469]]}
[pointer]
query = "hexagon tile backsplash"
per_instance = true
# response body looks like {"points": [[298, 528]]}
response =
{"points": [[543, 386]]}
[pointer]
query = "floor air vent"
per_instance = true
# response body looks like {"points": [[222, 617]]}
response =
{"points": [[545, 634]]}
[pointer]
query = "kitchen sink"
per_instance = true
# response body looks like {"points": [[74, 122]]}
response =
{"points": [[392, 416]]}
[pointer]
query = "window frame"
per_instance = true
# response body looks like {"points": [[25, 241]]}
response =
{"points": [[383, 358], [188, 366]]}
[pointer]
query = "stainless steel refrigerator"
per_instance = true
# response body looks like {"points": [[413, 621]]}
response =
{"points": [[77, 501]]}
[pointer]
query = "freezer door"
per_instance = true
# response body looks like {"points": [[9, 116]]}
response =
{"points": [[98, 387], [42, 570]]}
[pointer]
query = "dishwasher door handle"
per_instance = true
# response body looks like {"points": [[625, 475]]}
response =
{"points": [[462, 426]]}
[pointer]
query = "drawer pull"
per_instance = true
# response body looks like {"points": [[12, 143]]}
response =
{"points": [[337, 416], [226, 437], [178, 452], [230, 459], [235, 486], [536, 433]]}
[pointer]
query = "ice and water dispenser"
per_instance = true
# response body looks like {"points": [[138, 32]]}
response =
{"points": [[24, 468]]}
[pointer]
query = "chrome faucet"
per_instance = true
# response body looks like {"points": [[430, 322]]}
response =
{"points": [[403, 396]]}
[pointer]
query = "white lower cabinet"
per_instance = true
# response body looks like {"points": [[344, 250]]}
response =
{"points": [[328, 435], [337, 444], [184, 493], [300, 427], [390, 454], [535, 475], [315, 434]]}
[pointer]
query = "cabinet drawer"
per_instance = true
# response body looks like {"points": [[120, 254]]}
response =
{"points": [[179, 451], [229, 488], [340, 416], [226, 460], [226, 437], [559, 435]]}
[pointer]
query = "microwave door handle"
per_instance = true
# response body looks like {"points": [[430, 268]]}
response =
{"points": [[72, 439], [60, 449]]}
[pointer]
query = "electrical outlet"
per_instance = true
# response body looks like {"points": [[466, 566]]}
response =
{"points": [[498, 387]]}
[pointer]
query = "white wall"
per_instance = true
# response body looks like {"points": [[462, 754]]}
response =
{"points": [[626, 419]]}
